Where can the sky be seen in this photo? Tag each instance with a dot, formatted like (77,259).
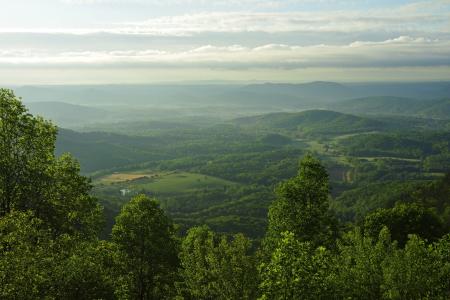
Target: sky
(150,41)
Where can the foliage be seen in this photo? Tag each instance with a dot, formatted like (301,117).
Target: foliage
(214,267)
(297,270)
(24,257)
(359,264)
(405,219)
(26,154)
(302,206)
(416,272)
(33,265)
(31,178)
(49,221)
(147,246)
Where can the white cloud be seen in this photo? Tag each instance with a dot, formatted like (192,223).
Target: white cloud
(401,19)
(412,35)
(403,51)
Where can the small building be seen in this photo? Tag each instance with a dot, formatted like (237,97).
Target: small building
(125,192)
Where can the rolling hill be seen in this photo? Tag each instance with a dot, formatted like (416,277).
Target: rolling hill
(313,122)
(439,109)
(101,150)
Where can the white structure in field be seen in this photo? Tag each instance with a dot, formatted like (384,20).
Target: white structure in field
(124,192)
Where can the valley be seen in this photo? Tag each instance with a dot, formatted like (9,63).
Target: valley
(223,171)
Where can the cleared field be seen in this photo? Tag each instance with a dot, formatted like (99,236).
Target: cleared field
(371,158)
(121,177)
(162,182)
(179,182)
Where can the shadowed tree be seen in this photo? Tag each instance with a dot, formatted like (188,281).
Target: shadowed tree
(405,219)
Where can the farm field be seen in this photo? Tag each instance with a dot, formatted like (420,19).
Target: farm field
(159,183)
(117,177)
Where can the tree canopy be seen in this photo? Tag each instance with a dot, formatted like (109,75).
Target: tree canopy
(302,205)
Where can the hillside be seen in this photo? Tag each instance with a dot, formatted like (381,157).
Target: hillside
(313,121)
(100,150)
(439,109)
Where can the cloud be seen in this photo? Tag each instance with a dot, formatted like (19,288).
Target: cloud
(404,19)
(403,51)
(211,3)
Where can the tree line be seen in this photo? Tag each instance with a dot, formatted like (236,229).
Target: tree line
(50,223)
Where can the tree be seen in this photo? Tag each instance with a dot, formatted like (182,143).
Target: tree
(214,267)
(147,250)
(416,272)
(26,154)
(297,270)
(302,206)
(70,207)
(48,220)
(83,269)
(31,178)
(26,262)
(405,219)
(359,272)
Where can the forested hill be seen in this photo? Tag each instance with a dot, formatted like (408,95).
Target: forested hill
(313,121)
(102,150)
(437,108)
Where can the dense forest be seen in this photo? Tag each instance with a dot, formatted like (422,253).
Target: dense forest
(315,204)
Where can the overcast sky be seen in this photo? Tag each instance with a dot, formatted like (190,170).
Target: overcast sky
(145,41)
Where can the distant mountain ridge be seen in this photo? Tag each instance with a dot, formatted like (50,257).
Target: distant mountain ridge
(318,90)
(78,106)
(66,114)
(439,108)
(207,93)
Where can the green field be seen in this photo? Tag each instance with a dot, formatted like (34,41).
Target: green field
(161,183)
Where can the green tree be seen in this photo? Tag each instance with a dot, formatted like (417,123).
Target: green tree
(83,269)
(31,178)
(302,206)
(404,219)
(441,285)
(359,264)
(297,270)
(70,207)
(25,257)
(26,153)
(214,267)
(416,272)
(147,250)
(48,220)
